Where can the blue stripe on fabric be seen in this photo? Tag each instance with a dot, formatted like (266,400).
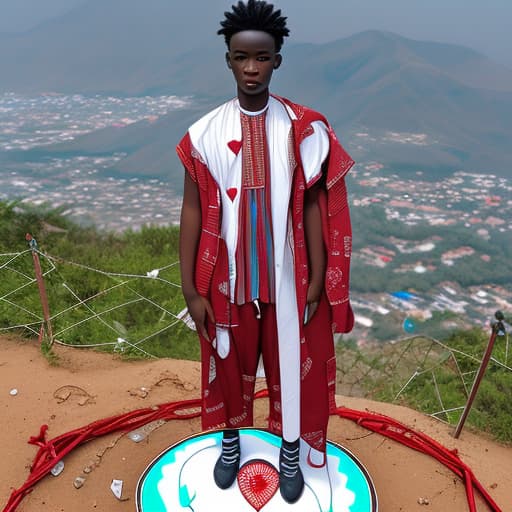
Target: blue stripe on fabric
(254,248)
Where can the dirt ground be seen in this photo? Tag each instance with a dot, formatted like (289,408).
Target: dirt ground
(85,386)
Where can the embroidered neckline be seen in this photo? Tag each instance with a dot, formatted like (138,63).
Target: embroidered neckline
(252,112)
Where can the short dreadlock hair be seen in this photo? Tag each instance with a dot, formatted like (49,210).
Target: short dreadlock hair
(254,15)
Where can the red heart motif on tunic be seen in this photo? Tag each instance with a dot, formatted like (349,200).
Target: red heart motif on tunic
(235,146)
(258,482)
(231,193)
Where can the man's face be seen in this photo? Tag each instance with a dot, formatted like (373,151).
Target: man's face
(252,58)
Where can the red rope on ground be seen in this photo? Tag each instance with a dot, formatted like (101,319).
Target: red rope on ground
(418,441)
(52,451)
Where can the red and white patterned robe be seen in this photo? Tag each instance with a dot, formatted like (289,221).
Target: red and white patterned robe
(209,152)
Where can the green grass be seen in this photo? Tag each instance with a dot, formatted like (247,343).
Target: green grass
(432,377)
(90,303)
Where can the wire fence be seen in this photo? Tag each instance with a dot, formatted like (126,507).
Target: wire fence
(421,371)
(144,315)
(138,314)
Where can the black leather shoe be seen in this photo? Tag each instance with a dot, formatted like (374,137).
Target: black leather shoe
(291,480)
(225,474)
(291,487)
(226,467)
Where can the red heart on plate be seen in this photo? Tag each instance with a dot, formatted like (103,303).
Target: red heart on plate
(258,481)
(235,146)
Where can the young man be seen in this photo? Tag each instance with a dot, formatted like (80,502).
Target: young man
(265,251)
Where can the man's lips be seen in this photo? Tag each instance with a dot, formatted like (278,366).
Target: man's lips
(251,83)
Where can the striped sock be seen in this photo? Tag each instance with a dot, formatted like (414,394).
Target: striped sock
(230,448)
(289,458)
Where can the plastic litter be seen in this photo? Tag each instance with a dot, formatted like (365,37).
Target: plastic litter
(120,345)
(185,317)
(137,436)
(79,482)
(13,392)
(117,488)
(141,433)
(58,468)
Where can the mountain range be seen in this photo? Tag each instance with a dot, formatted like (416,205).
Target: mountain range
(457,101)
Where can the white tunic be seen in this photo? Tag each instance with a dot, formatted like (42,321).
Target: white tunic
(210,137)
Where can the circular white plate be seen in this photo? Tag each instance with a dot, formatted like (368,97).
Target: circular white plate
(181,479)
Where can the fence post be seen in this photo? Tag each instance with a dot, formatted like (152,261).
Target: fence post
(497,329)
(47,325)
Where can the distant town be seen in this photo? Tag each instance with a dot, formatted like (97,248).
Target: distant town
(466,204)
(73,183)
(469,202)
(27,122)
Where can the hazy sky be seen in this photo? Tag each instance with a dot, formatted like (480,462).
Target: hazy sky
(481,24)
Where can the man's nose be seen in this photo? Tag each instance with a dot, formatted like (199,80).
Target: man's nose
(251,67)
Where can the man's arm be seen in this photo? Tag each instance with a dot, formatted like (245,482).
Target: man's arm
(190,232)
(316,250)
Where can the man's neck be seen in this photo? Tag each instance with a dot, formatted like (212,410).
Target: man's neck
(253,103)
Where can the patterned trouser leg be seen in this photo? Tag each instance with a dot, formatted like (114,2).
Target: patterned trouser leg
(228,384)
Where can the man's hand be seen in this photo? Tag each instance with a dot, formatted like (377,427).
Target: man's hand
(316,251)
(312,300)
(200,309)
